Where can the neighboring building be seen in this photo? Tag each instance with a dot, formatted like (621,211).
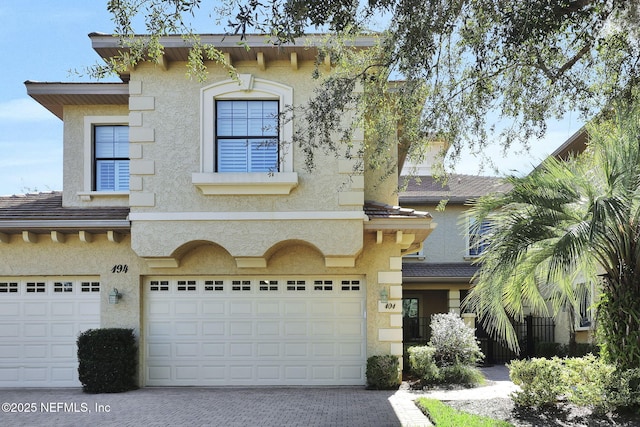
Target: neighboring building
(437,278)
(186,216)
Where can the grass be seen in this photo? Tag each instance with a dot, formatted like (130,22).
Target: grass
(442,415)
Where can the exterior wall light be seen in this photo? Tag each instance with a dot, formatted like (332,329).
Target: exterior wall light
(114,296)
(384,295)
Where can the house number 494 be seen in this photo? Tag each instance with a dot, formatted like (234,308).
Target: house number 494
(120,268)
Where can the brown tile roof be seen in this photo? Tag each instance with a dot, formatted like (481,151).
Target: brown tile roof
(44,210)
(458,270)
(381,210)
(457,189)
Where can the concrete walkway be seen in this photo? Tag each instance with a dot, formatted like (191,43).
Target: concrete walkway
(197,406)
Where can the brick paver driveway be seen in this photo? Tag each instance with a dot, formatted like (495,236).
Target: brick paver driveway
(194,406)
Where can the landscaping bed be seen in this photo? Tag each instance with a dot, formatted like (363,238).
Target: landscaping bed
(564,415)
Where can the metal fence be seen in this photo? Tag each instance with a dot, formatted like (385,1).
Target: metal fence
(532,331)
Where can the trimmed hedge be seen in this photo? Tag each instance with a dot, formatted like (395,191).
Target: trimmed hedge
(107,360)
(382,372)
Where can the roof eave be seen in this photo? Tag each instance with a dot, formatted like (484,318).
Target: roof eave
(55,95)
(61,224)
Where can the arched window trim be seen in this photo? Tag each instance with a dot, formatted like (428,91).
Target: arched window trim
(247,87)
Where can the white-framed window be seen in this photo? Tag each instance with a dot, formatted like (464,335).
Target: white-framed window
(259,158)
(247,135)
(111,156)
(106,156)
(247,88)
(476,237)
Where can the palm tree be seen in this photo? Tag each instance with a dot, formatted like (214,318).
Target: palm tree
(564,227)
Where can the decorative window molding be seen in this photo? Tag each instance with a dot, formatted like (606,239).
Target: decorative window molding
(248,88)
(88,170)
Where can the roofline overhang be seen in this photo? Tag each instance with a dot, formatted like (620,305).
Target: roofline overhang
(54,95)
(435,279)
(45,225)
(574,144)
(429,200)
(400,223)
(226,41)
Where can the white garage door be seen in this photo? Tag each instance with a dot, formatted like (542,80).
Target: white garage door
(40,320)
(248,331)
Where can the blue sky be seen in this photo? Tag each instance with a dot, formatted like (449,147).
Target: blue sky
(46,45)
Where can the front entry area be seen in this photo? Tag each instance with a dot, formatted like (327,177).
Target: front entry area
(417,309)
(207,331)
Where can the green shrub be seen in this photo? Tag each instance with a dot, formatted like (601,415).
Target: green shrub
(383,372)
(107,360)
(539,379)
(465,375)
(587,380)
(624,390)
(422,364)
(583,381)
(454,341)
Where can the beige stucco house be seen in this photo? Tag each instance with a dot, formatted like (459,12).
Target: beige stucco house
(188,216)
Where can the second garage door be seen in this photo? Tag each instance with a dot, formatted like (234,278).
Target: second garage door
(40,319)
(254,331)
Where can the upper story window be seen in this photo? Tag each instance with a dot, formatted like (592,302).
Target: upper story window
(477,242)
(245,145)
(247,135)
(106,157)
(111,156)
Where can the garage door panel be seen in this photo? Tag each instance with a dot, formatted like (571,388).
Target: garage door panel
(241,349)
(241,372)
(36,309)
(268,349)
(255,332)
(240,308)
(240,328)
(159,307)
(9,310)
(62,309)
(213,307)
(183,328)
(187,349)
(63,330)
(213,350)
(350,328)
(45,318)
(37,351)
(88,309)
(268,373)
(268,328)
(9,330)
(36,330)
(295,328)
(157,329)
(186,307)
(213,328)
(159,350)
(9,375)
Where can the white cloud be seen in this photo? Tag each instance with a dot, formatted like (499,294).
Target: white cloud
(24,109)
